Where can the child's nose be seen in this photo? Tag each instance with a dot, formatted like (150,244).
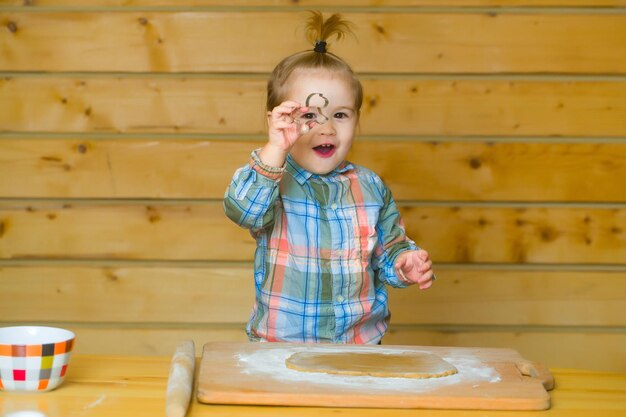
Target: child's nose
(327,128)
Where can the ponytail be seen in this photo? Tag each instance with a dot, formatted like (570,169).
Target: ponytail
(319,32)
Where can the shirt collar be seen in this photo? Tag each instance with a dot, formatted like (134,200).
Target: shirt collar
(301,175)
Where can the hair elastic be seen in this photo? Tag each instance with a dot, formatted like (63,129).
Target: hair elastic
(320,46)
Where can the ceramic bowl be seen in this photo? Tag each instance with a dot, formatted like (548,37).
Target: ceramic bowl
(34,358)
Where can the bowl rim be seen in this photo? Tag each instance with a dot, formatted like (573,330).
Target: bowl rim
(60,335)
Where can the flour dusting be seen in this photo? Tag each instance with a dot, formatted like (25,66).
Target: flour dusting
(96,403)
(271,364)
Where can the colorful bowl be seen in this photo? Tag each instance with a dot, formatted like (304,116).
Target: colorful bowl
(34,358)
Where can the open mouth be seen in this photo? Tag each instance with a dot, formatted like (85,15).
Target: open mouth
(325,150)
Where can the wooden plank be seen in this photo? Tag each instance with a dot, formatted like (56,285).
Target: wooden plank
(465,234)
(121,231)
(86,4)
(396,106)
(134,340)
(519,235)
(225,294)
(521,297)
(569,349)
(127,294)
(602,351)
(396,42)
(177,168)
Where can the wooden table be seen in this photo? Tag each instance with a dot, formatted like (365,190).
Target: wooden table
(122,386)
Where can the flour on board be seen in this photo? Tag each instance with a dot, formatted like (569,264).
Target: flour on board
(270,363)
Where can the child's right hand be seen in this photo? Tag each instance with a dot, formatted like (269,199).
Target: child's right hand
(283,129)
(283,132)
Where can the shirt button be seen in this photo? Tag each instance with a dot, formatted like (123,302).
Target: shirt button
(333,206)
(340,299)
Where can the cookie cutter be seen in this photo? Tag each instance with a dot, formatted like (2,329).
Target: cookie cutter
(314,114)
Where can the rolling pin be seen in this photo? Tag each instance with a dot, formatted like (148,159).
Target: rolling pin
(180,380)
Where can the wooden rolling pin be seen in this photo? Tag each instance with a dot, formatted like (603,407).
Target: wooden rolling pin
(180,380)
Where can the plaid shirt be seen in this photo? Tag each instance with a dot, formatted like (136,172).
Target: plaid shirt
(326,247)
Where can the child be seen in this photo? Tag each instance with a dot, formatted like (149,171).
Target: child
(328,232)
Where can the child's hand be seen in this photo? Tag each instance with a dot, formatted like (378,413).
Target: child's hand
(415,267)
(283,130)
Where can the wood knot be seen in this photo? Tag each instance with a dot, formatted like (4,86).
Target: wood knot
(3,228)
(548,234)
(111,276)
(82,148)
(88,111)
(12,26)
(28,3)
(380,29)
(475,163)
(51,216)
(143,21)
(153,214)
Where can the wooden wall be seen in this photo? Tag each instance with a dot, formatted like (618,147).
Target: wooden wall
(499,125)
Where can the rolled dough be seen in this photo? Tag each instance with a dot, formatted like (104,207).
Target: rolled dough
(388,365)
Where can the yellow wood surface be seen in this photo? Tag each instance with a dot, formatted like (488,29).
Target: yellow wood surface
(396,42)
(201,231)
(135,386)
(225,294)
(310,3)
(392,106)
(194,168)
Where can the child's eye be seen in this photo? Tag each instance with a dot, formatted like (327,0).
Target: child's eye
(309,116)
(341,115)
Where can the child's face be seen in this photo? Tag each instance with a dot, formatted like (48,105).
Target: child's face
(325,146)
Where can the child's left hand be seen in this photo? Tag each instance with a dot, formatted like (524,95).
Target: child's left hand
(415,267)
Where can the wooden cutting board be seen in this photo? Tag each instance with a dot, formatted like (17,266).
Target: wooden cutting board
(255,373)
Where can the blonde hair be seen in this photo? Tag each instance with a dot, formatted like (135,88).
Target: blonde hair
(318,32)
